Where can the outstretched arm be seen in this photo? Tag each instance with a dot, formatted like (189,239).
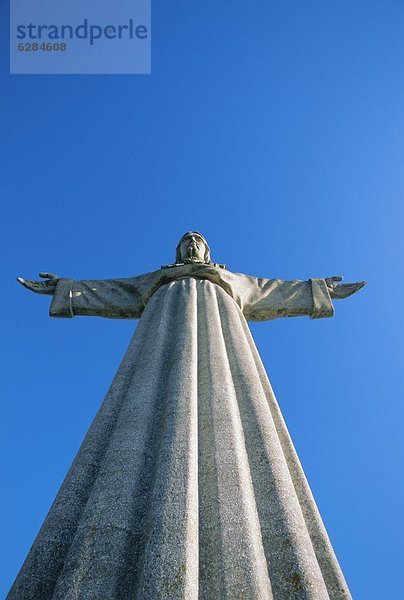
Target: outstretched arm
(112,298)
(265,299)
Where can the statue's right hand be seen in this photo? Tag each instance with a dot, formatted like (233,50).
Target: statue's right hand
(41,287)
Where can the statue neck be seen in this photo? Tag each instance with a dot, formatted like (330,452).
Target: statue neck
(188,261)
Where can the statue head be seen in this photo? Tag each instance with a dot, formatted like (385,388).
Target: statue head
(192,247)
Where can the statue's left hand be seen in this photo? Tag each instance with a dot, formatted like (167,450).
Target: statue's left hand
(342,290)
(41,287)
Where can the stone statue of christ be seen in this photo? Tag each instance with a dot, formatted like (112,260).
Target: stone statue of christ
(187,484)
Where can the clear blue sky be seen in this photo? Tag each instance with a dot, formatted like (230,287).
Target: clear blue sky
(275,128)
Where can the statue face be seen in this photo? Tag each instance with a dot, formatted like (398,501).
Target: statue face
(192,248)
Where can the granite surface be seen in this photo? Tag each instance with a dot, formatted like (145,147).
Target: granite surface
(187,484)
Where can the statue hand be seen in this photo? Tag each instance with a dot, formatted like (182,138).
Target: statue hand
(343,290)
(41,287)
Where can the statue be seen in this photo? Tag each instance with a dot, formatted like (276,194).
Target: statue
(187,484)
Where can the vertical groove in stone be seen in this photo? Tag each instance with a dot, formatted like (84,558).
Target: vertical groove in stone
(293,568)
(45,561)
(211,560)
(170,562)
(337,587)
(227,511)
(103,556)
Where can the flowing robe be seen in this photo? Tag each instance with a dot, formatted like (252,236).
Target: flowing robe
(187,484)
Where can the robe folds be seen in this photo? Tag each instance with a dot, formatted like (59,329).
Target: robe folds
(187,484)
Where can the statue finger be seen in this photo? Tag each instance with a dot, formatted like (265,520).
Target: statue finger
(48,276)
(30,285)
(337,278)
(25,282)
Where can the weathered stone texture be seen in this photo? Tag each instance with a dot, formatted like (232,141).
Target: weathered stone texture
(187,484)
